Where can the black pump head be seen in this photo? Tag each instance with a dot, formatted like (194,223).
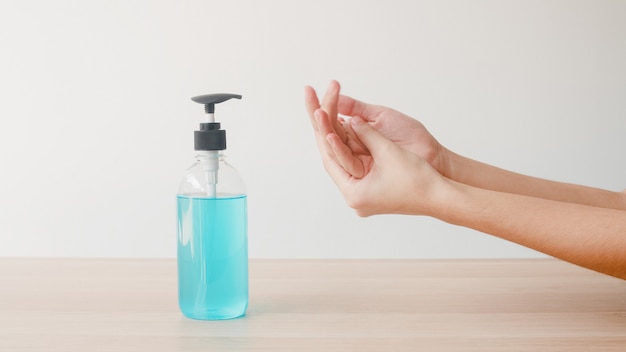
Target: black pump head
(211,136)
(209,100)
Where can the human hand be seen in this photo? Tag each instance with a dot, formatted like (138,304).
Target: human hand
(337,126)
(399,128)
(393,179)
(376,174)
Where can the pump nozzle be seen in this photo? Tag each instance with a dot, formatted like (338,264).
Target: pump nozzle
(209,100)
(211,138)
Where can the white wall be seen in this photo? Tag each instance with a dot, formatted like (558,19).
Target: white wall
(96,122)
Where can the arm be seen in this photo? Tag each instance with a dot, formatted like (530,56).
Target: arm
(477,174)
(592,237)
(397,181)
(411,135)
(385,177)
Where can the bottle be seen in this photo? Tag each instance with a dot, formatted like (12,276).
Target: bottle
(212,227)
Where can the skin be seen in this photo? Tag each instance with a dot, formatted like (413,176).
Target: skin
(385,162)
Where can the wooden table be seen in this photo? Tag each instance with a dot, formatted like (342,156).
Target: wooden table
(316,305)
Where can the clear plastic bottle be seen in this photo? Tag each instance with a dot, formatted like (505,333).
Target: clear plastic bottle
(212,236)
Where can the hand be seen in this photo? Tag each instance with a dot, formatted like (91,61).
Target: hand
(373,172)
(394,180)
(399,128)
(330,105)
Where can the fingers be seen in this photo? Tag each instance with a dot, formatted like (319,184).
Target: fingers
(337,149)
(329,104)
(353,165)
(311,103)
(324,127)
(353,141)
(331,134)
(339,175)
(329,101)
(375,142)
(351,107)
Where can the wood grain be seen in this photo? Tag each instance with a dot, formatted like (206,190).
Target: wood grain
(316,305)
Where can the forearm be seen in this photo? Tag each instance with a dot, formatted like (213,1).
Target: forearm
(481,175)
(591,237)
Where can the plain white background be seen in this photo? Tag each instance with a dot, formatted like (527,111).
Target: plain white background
(96,123)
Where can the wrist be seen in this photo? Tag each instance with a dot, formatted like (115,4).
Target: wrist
(460,204)
(440,198)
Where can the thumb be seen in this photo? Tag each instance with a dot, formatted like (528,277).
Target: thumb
(375,142)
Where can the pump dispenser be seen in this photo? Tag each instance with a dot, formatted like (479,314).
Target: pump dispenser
(211,139)
(212,227)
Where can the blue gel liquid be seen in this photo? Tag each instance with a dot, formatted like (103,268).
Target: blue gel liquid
(212,257)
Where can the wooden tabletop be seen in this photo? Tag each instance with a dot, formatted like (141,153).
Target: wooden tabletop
(316,305)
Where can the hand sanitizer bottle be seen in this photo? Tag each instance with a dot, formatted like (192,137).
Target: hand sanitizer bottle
(212,227)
